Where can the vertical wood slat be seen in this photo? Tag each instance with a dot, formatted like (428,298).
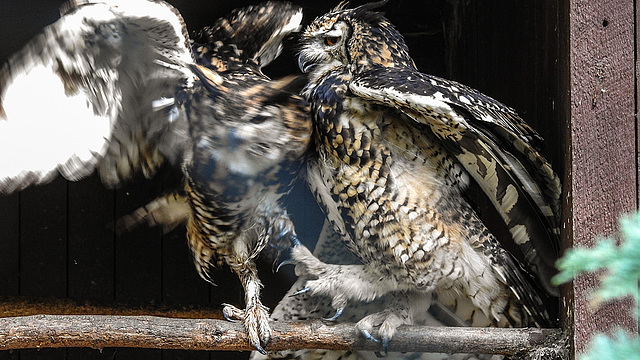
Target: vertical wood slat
(43,248)
(601,180)
(43,240)
(138,254)
(10,245)
(91,241)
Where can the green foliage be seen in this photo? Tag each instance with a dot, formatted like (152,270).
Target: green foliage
(622,347)
(621,279)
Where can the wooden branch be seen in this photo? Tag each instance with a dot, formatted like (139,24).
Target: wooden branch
(100,331)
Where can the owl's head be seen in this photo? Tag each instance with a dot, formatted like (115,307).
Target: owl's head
(357,38)
(244,127)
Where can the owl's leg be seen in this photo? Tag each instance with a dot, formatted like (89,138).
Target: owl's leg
(255,316)
(340,282)
(169,211)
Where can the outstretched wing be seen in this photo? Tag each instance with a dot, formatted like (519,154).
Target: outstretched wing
(81,95)
(494,145)
(253,33)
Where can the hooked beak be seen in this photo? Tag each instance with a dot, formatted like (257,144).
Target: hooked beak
(305,64)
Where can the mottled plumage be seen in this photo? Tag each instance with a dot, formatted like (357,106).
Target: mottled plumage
(396,150)
(130,92)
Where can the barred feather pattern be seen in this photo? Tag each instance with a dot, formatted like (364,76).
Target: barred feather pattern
(396,151)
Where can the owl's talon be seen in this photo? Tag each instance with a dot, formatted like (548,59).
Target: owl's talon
(286,262)
(231,313)
(368,335)
(336,316)
(255,320)
(260,349)
(300,292)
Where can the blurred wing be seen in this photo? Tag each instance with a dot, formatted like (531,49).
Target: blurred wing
(493,144)
(88,76)
(256,30)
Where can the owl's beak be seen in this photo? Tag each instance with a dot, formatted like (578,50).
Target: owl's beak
(305,64)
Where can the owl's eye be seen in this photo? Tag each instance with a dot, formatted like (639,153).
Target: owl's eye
(331,40)
(258,119)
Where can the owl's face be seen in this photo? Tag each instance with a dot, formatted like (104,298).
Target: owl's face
(244,128)
(252,139)
(357,38)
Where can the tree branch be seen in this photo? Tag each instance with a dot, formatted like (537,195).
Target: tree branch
(101,331)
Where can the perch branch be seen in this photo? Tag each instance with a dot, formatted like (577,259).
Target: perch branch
(101,331)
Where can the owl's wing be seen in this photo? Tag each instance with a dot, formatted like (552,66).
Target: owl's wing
(256,30)
(89,92)
(493,144)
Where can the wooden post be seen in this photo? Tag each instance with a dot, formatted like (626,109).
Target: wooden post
(600,177)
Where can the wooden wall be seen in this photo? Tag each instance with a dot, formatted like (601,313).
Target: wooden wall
(602,178)
(568,67)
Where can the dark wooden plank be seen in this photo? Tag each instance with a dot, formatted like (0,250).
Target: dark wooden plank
(43,354)
(601,181)
(180,281)
(10,245)
(43,248)
(10,355)
(91,241)
(133,354)
(138,254)
(43,243)
(86,354)
(637,70)
(188,355)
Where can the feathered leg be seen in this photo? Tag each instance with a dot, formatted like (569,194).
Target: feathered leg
(255,316)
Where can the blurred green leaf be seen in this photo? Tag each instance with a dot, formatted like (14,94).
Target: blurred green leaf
(622,265)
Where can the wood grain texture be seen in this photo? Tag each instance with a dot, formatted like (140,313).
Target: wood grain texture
(97,332)
(601,182)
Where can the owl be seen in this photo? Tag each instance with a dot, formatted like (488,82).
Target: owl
(425,311)
(123,90)
(396,151)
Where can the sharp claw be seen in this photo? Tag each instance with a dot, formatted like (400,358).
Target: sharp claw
(369,337)
(300,292)
(285,262)
(260,349)
(228,318)
(336,316)
(226,315)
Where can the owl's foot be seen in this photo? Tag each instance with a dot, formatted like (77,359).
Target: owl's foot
(387,322)
(325,279)
(256,321)
(340,283)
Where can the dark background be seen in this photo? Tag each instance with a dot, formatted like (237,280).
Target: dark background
(55,240)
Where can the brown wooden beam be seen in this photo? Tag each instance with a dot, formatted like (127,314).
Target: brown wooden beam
(101,331)
(600,176)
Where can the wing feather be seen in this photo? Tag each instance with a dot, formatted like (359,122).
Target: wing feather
(65,95)
(496,147)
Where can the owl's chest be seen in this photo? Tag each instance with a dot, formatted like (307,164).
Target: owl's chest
(371,150)
(379,176)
